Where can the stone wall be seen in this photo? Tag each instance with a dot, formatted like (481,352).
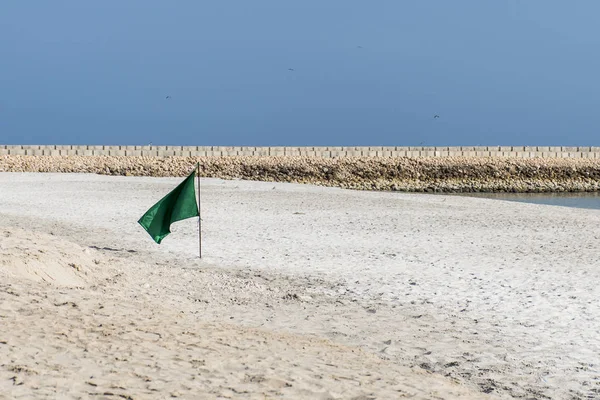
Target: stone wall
(430,174)
(321,152)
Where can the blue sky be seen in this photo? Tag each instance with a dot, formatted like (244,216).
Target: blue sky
(364,72)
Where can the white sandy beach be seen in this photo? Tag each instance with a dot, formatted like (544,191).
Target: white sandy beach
(302,292)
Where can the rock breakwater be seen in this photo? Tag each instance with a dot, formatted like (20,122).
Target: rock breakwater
(447,174)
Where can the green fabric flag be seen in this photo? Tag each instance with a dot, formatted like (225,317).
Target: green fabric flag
(178,205)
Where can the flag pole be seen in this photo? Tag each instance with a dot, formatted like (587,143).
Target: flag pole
(199,216)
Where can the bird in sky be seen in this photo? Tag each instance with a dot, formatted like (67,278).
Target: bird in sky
(290,69)
(168,97)
(436,116)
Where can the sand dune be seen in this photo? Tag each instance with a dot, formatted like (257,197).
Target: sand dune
(47,258)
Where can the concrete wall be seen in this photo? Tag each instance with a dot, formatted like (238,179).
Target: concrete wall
(327,152)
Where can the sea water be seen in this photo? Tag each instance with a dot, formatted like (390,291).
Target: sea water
(577,200)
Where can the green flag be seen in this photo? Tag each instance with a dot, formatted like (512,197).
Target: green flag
(178,205)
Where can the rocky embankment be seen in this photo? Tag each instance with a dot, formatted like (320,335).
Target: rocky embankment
(447,174)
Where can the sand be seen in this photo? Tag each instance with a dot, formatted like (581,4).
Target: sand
(302,292)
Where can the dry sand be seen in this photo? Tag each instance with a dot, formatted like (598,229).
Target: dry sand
(303,292)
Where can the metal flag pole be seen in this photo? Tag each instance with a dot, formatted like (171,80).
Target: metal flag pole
(199,216)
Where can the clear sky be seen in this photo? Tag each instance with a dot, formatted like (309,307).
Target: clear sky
(300,73)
